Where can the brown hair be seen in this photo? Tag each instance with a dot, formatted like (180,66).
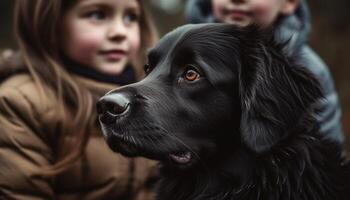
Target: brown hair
(37,23)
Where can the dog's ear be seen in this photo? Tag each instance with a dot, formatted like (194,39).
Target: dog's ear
(275,92)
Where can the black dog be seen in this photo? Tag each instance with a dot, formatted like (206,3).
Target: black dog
(229,117)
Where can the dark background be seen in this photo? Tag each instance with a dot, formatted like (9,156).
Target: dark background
(330,38)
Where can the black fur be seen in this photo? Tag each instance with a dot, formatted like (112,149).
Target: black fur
(247,124)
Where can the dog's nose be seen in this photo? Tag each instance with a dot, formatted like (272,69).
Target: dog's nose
(113,104)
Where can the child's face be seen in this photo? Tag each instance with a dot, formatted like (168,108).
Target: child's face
(244,12)
(102,34)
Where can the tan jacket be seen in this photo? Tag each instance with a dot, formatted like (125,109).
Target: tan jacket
(25,139)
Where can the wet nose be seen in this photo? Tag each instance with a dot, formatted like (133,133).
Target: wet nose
(113,105)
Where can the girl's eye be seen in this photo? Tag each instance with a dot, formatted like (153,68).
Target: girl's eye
(191,74)
(131,17)
(97,15)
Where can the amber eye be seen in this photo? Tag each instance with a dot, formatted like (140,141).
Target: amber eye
(191,75)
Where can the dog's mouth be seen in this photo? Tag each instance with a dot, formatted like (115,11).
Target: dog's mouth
(130,149)
(135,146)
(183,158)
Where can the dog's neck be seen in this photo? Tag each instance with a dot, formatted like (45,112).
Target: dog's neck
(245,175)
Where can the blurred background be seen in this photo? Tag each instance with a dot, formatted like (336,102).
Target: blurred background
(330,38)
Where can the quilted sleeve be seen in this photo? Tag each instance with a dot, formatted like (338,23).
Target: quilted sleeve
(23,150)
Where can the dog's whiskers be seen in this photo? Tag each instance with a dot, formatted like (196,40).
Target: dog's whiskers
(133,139)
(150,137)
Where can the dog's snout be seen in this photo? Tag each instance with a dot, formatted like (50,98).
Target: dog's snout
(113,104)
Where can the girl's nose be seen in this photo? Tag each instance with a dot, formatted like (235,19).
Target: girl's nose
(117,30)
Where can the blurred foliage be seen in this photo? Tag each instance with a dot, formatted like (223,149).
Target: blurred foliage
(335,12)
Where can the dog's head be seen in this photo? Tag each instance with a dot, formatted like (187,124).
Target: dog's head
(208,87)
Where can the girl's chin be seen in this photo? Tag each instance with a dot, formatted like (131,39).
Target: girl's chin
(111,68)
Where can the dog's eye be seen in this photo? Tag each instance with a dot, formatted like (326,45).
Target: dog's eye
(191,74)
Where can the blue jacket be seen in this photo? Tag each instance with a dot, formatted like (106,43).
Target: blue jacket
(296,28)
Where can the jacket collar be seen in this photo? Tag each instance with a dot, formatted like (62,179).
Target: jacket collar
(126,77)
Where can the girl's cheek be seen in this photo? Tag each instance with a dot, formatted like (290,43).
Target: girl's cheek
(134,50)
(84,52)
(84,46)
(135,44)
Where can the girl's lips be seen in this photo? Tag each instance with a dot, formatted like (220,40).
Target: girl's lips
(113,55)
